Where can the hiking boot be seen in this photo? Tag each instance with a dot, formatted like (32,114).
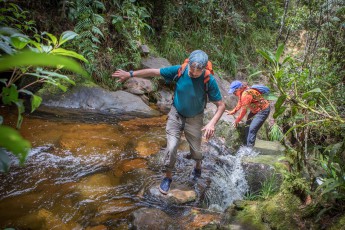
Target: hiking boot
(165,185)
(188,156)
(196,173)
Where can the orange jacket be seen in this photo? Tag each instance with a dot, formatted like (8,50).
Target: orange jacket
(250,99)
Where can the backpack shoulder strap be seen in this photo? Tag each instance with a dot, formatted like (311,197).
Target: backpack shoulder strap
(181,70)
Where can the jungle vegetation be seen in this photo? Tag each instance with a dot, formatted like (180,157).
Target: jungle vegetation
(295,46)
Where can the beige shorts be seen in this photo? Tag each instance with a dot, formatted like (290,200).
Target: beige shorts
(191,126)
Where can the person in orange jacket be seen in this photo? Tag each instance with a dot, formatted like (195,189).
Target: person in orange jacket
(252,99)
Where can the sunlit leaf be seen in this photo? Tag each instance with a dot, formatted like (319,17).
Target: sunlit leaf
(29,58)
(279,52)
(11,140)
(35,102)
(18,43)
(64,52)
(66,36)
(52,37)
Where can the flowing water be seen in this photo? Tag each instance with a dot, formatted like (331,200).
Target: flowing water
(89,174)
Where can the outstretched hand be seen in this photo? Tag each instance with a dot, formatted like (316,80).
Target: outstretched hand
(228,112)
(209,131)
(121,75)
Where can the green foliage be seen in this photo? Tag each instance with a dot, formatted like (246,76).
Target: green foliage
(12,15)
(314,118)
(275,133)
(41,57)
(11,140)
(88,26)
(332,188)
(130,25)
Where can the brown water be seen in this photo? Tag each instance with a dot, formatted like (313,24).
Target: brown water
(79,174)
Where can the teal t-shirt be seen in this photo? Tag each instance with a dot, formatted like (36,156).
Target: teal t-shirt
(189,95)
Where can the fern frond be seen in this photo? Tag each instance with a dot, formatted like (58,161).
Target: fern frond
(98,19)
(98,5)
(95,39)
(96,30)
(83,25)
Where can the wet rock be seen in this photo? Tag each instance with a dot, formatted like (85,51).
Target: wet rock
(199,220)
(96,185)
(95,103)
(148,219)
(116,206)
(164,100)
(269,147)
(138,86)
(51,221)
(178,194)
(155,63)
(129,165)
(257,174)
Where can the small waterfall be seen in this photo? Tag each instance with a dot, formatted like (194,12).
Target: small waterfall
(227,177)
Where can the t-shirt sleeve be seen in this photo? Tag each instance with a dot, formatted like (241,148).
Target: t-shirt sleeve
(169,73)
(213,90)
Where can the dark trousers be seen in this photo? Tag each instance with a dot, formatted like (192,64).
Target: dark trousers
(253,124)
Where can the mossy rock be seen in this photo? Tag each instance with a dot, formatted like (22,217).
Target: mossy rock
(251,217)
(282,211)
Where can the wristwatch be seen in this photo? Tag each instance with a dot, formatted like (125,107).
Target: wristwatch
(131,73)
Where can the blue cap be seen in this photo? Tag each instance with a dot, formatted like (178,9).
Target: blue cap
(199,57)
(235,85)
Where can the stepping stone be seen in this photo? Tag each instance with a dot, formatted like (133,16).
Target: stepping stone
(269,147)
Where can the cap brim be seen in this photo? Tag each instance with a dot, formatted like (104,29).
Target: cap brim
(231,91)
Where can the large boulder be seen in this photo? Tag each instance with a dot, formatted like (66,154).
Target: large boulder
(96,103)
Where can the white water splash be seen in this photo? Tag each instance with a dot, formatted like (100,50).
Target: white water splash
(228,180)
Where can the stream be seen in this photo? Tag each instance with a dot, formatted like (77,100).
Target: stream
(80,174)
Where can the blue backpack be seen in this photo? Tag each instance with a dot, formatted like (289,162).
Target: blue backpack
(261,88)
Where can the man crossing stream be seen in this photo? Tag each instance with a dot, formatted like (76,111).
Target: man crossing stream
(195,84)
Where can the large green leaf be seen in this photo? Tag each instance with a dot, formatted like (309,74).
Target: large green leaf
(19,41)
(316,90)
(9,95)
(64,52)
(279,109)
(35,102)
(279,52)
(29,58)
(11,140)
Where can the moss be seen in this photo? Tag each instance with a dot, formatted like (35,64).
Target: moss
(49,89)
(250,217)
(282,211)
